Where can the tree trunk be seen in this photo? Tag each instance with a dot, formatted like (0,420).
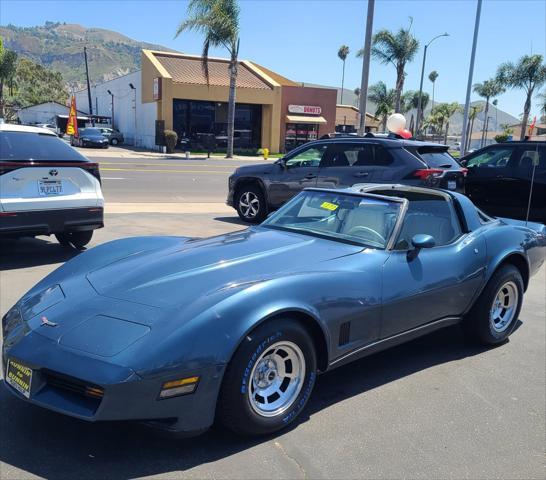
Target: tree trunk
(342,83)
(411,124)
(399,88)
(231,106)
(1,98)
(384,123)
(485,121)
(468,134)
(526,111)
(447,130)
(433,85)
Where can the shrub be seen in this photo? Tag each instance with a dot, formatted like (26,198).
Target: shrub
(503,137)
(171,137)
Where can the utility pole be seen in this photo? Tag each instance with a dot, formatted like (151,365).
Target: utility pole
(112,107)
(88,87)
(470,75)
(132,87)
(366,68)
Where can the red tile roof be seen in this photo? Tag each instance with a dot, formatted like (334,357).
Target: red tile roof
(189,70)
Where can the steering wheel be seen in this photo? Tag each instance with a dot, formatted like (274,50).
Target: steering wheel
(360,228)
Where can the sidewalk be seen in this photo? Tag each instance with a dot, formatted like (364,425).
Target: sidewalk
(131,152)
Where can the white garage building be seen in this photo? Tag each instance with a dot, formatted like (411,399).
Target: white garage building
(137,126)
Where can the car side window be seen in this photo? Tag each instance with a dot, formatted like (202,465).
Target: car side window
(496,157)
(430,215)
(356,155)
(528,158)
(309,157)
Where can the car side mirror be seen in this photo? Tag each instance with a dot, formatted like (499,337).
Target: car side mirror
(420,241)
(281,162)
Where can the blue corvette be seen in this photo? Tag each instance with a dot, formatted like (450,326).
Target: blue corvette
(177,332)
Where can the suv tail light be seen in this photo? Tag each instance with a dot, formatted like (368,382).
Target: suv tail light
(93,169)
(425,173)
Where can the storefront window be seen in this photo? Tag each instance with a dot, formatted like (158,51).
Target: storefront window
(196,121)
(299,133)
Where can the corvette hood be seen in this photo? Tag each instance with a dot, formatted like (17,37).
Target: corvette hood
(204,266)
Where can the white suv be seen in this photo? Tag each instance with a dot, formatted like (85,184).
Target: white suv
(47,187)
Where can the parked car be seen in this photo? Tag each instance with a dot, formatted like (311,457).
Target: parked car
(256,190)
(179,331)
(499,179)
(115,137)
(47,187)
(89,137)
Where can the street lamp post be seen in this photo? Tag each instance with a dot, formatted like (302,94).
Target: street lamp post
(419,101)
(112,95)
(132,87)
(366,68)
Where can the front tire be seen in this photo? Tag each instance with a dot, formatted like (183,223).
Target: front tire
(114,141)
(250,204)
(494,315)
(76,239)
(269,379)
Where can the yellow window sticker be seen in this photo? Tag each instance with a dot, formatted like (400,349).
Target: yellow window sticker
(329,206)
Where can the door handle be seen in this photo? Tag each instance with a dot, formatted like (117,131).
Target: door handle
(361,174)
(310,176)
(500,176)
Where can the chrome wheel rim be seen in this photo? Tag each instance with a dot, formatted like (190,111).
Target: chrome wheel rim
(504,307)
(249,204)
(276,379)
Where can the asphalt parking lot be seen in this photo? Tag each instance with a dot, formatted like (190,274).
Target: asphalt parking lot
(433,408)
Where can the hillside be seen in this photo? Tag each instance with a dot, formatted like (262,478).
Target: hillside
(59,46)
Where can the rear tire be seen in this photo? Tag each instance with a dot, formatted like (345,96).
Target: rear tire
(77,240)
(250,203)
(114,141)
(494,315)
(277,360)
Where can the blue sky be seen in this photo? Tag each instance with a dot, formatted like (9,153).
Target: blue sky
(300,39)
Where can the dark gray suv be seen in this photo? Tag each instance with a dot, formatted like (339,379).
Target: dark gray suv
(256,190)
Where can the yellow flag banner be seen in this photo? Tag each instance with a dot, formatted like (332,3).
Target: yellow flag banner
(72,124)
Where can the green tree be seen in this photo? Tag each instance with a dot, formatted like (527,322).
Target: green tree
(383,99)
(410,101)
(37,84)
(8,65)
(487,89)
(343,53)
(528,73)
(441,115)
(432,76)
(398,49)
(542,106)
(356,91)
(218,21)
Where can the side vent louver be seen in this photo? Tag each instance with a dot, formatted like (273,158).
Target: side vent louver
(344,333)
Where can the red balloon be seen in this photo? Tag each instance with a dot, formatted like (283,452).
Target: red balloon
(405,133)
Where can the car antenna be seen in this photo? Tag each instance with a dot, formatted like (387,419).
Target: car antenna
(535,164)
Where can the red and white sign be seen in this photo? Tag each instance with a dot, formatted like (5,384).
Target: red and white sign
(309,109)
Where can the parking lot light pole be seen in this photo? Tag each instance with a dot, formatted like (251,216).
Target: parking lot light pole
(132,87)
(112,95)
(366,68)
(419,101)
(470,75)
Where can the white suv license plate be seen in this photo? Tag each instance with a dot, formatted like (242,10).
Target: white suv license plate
(48,188)
(451,185)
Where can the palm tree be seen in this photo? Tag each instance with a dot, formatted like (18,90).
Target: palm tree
(218,21)
(542,105)
(343,53)
(472,115)
(410,101)
(356,91)
(527,74)
(383,99)
(495,103)
(440,116)
(396,48)
(488,89)
(432,76)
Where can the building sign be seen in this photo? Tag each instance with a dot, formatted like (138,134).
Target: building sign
(157,89)
(309,109)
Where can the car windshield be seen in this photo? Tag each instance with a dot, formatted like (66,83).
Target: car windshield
(91,131)
(366,220)
(23,146)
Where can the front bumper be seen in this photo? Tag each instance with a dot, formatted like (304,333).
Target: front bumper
(46,222)
(99,144)
(59,378)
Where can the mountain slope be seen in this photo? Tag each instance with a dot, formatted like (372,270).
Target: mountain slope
(59,46)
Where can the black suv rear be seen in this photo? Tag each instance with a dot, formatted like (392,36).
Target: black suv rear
(340,163)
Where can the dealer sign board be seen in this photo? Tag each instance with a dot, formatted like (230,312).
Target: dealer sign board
(308,109)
